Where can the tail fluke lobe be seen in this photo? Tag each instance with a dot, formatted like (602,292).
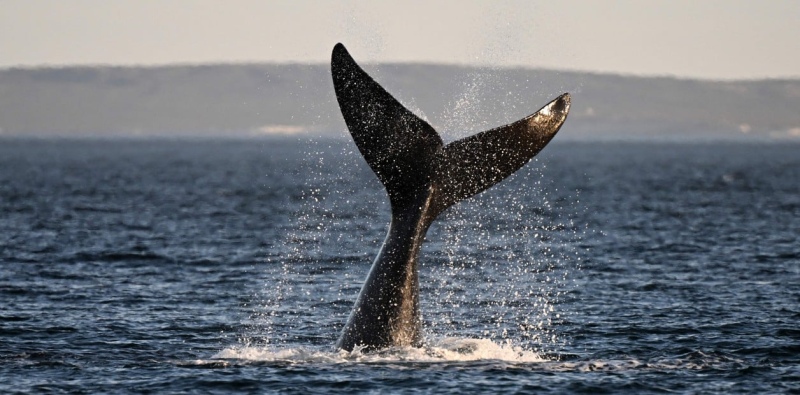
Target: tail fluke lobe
(397,145)
(471,165)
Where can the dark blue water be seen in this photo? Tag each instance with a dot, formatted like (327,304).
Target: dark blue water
(219,266)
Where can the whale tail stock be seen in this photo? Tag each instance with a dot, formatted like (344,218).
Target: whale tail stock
(410,158)
(423,177)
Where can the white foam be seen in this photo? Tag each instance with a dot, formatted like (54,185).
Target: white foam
(456,350)
(441,350)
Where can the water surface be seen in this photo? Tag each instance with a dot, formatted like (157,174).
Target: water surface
(222,265)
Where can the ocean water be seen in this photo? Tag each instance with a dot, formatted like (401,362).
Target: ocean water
(214,266)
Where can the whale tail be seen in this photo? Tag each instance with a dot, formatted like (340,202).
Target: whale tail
(410,158)
(423,177)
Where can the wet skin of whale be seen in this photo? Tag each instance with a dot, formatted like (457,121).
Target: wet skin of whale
(423,177)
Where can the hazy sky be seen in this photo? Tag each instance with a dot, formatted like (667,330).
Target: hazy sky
(707,39)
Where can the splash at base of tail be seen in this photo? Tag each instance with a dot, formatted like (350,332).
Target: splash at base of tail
(423,177)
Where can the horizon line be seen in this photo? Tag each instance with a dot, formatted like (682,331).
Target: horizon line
(55,66)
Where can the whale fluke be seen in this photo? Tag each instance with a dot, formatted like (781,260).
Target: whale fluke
(398,146)
(422,177)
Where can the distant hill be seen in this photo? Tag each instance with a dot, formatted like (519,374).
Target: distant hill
(253,99)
